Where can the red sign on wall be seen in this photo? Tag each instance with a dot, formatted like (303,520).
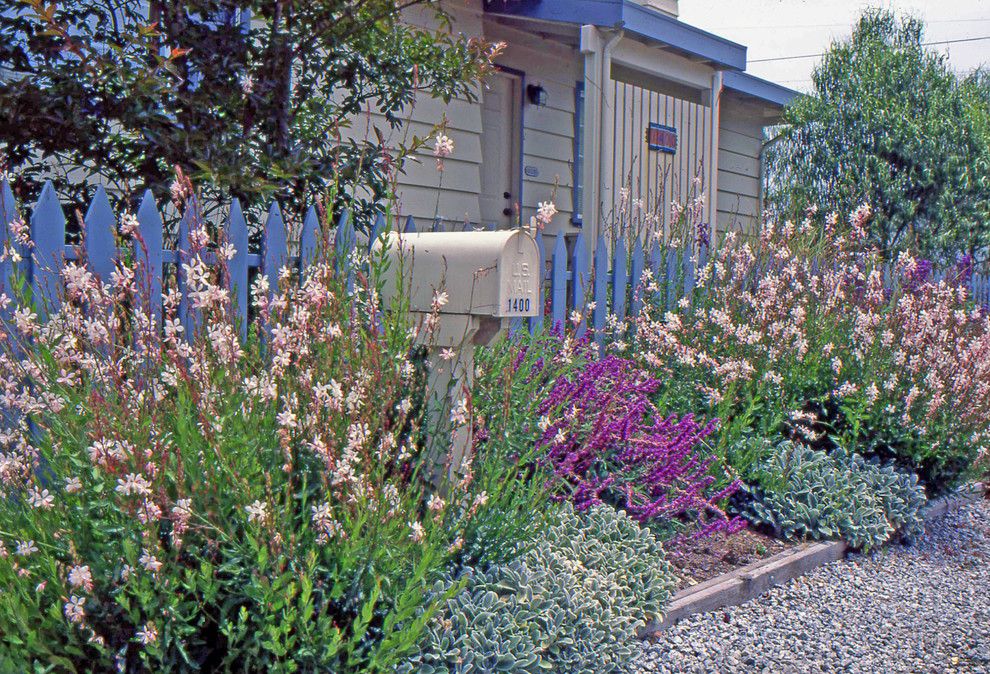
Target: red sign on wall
(661,138)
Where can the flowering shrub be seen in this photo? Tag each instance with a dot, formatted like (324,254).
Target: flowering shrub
(571,604)
(179,500)
(602,439)
(800,332)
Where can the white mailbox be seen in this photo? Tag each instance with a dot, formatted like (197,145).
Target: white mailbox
(487,276)
(483,273)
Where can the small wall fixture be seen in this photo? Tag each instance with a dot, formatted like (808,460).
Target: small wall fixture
(536,94)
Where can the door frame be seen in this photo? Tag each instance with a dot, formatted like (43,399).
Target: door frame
(521,76)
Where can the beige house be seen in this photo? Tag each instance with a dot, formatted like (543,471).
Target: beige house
(593,96)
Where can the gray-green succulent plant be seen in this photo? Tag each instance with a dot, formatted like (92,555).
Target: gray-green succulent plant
(572,604)
(837,494)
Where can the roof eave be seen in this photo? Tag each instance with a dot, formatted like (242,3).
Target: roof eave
(635,19)
(768,92)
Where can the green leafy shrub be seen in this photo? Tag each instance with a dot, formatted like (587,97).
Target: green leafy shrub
(571,604)
(514,377)
(817,494)
(179,500)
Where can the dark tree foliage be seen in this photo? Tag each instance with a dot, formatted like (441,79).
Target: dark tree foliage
(251,98)
(888,123)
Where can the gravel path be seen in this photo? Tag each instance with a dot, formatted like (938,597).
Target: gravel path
(924,608)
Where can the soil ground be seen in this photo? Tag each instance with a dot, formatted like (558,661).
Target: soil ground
(696,561)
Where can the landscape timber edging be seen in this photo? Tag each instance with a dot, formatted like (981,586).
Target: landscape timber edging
(750,581)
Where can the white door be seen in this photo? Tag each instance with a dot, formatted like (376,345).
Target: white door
(500,140)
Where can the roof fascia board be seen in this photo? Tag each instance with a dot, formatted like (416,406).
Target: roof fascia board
(633,18)
(750,85)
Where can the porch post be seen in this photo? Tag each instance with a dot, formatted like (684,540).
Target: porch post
(716,113)
(591,49)
(597,52)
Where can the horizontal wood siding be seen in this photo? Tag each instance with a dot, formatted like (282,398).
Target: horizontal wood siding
(548,131)
(740,141)
(422,191)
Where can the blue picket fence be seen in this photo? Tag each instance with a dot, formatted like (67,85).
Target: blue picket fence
(569,281)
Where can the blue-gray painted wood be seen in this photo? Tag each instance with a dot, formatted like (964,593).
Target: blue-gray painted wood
(376,231)
(600,297)
(274,247)
(636,267)
(100,239)
(410,225)
(536,322)
(148,252)
(8,214)
(688,274)
(558,282)
(581,278)
(185,255)
(237,268)
(620,280)
(344,243)
(671,279)
(309,240)
(48,237)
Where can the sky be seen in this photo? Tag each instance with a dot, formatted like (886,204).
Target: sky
(781,28)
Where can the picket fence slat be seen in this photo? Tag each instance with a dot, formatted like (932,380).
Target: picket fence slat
(558,281)
(148,251)
(376,231)
(8,212)
(582,274)
(636,276)
(274,246)
(410,225)
(620,280)
(48,236)
(600,298)
(671,276)
(100,242)
(237,267)
(536,322)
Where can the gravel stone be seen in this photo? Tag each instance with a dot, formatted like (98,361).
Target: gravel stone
(905,608)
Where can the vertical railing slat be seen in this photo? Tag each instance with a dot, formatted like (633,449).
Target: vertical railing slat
(148,253)
(558,281)
(274,246)
(582,275)
(600,290)
(410,225)
(100,241)
(237,267)
(48,254)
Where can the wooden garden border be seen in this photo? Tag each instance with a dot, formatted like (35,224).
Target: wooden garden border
(748,582)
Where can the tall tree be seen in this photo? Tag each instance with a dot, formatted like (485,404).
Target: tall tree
(251,98)
(889,123)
